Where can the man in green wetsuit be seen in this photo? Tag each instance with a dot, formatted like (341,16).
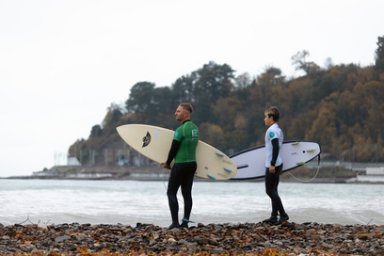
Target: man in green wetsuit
(183,150)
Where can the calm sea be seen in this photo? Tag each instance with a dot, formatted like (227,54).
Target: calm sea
(128,202)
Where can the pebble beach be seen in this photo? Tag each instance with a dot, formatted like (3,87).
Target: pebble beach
(200,239)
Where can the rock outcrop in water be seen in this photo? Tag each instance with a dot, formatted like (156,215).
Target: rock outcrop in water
(217,239)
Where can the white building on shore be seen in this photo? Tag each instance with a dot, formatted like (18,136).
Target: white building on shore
(372,175)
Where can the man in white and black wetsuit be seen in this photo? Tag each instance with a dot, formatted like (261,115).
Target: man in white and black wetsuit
(274,138)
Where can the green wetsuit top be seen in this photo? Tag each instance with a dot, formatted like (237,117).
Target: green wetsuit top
(184,143)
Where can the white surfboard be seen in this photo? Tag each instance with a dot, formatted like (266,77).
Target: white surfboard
(251,162)
(154,142)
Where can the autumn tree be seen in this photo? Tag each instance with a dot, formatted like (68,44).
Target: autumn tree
(339,107)
(271,76)
(112,118)
(300,63)
(243,81)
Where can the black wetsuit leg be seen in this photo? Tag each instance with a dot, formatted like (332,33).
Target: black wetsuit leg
(181,175)
(271,188)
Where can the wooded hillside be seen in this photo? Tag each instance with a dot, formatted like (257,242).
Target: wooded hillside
(340,106)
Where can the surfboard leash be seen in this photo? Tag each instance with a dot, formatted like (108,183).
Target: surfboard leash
(311,179)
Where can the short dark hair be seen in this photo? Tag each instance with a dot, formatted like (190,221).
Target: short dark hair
(273,112)
(187,106)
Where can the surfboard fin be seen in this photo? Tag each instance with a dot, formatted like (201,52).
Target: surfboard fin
(219,154)
(211,177)
(227,170)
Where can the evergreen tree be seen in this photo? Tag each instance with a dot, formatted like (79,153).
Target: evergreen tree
(379,60)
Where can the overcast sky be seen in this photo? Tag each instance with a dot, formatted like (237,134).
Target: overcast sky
(62,63)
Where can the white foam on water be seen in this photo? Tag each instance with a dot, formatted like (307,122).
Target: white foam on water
(129,202)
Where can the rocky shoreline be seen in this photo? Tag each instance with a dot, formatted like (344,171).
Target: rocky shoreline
(211,239)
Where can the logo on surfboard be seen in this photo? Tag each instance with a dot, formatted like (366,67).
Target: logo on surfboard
(146,140)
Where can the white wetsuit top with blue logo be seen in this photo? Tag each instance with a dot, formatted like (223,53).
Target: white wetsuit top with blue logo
(273,132)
